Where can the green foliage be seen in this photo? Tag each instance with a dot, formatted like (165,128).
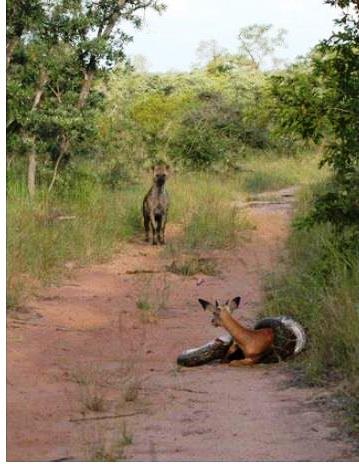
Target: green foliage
(318,99)
(339,204)
(318,286)
(54,54)
(194,119)
(297,105)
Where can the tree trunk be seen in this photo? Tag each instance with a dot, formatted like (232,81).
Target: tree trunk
(31,170)
(32,161)
(63,150)
(86,87)
(40,89)
(10,47)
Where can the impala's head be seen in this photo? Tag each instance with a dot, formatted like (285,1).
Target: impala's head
(160,174)
(218,309)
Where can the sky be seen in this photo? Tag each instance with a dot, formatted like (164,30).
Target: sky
(169,41)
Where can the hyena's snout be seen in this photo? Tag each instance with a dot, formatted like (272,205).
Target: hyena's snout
(160,179)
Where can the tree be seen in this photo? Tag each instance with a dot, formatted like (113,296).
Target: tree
(22,16)
(319,100)
(259,42)
(53,59)
(140,63)
(207,51)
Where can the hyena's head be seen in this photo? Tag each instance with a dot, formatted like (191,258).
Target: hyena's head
(160,174)
(217,309)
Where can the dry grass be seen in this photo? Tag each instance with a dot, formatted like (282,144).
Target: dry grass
(154,296)
(93,400)
(105,447)
(192,265)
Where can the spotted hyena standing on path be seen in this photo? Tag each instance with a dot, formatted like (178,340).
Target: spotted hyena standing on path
(155,206)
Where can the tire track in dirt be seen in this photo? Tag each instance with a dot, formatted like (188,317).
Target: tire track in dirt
(86,340)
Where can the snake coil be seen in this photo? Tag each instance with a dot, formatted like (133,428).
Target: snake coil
(289,340)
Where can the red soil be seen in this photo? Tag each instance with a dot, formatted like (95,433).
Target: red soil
(87,339)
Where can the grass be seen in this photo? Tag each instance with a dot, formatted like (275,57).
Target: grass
(42,246)
(190,191)
(260,181)
(40,243)
(154,297)
(148,309)
(270,174)
(203,205)
(90,382)
(132,390)
(94,402)
(214,225)
(192,265)
(113,451)
(318,284)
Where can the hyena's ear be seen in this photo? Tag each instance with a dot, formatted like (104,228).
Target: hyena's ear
(233,305)
(206,304)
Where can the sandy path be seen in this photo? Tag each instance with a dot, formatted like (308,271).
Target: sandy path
(86,340)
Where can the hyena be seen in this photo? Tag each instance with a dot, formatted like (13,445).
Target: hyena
(155,206)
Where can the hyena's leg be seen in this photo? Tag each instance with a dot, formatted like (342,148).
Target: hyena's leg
(159,220)
(153,228)
(146,222)
(163,227)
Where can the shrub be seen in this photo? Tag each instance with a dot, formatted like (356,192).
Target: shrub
(318,285)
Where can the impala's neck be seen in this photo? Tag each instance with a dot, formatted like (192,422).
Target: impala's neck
(241,334)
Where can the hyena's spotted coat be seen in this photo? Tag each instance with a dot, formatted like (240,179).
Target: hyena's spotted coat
(155,206)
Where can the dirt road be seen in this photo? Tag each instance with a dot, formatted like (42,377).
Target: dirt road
(90,377)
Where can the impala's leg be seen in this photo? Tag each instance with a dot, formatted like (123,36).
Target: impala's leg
(231,350)
(243,362)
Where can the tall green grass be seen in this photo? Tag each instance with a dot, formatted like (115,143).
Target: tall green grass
(318,284)
(204,204)
(39,242)
(275,173)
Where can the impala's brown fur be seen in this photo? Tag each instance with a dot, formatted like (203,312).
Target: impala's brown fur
(253,343)
(155,206)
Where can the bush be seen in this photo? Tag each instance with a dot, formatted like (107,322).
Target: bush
(319,286)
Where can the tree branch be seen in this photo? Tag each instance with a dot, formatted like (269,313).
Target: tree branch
(247,49)
(63,149)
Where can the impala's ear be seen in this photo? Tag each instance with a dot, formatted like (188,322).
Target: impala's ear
(205,304)
(233,305)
